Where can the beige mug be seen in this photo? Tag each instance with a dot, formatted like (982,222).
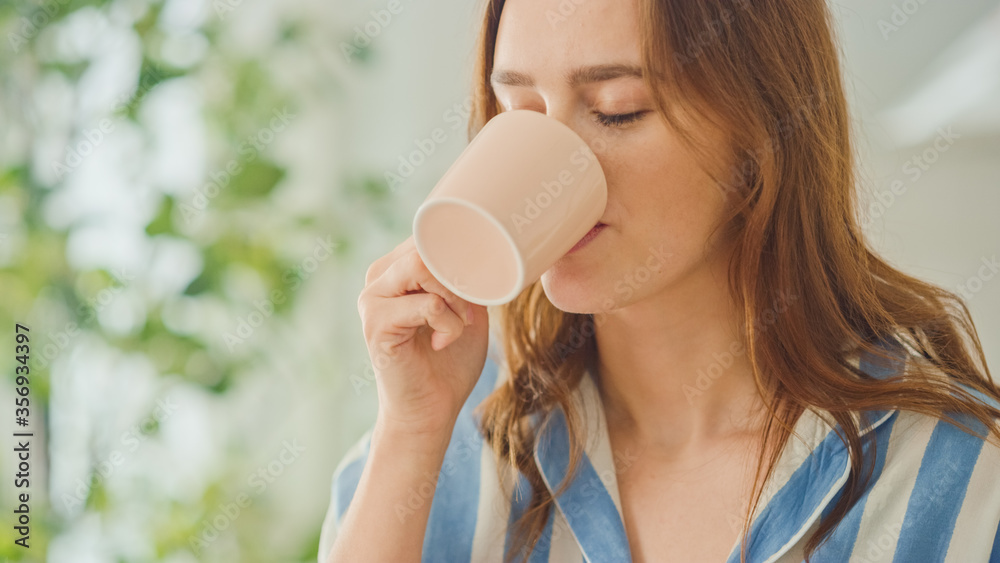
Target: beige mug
(524,191)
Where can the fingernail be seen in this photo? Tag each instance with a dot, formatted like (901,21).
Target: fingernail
(468,314)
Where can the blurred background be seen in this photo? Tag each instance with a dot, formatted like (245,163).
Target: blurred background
(191,192)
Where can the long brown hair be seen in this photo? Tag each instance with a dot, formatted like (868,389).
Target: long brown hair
(768,74)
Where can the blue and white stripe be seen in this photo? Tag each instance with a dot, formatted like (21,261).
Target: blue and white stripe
(934,494)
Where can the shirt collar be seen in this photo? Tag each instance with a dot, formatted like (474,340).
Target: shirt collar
(811,470)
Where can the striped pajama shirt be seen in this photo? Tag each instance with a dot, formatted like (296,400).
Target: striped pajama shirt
(934,495)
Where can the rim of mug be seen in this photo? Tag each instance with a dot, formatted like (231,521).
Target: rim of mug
(518,258)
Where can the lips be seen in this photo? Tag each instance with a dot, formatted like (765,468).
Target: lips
(593,232)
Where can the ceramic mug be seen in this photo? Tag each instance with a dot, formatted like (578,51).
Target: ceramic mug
(524,191)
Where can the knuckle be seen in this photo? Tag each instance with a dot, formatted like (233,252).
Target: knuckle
(362,300)
(370,272)
(437,305)
(414,261)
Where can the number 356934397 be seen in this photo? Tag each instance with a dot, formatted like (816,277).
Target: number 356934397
(21,351)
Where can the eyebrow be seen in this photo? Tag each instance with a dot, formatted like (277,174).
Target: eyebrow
(575,77)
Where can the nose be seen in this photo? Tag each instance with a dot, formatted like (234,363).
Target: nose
(560,112)
(568,115)
(565,113)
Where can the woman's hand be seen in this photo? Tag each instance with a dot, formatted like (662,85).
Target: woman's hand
(424,374)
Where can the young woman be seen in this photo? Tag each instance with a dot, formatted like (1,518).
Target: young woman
(725,372)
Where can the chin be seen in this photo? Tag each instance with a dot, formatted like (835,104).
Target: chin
(572,291)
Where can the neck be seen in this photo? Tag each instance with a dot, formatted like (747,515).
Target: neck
(672,369)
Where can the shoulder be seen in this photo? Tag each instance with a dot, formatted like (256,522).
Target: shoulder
(938,451)
(934,494)
(924,445)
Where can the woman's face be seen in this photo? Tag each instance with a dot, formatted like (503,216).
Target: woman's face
(661,204)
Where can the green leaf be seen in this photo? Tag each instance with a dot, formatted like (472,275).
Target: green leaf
(162,223)
(257,179)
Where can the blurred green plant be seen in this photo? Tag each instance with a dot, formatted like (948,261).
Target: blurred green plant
(37,272)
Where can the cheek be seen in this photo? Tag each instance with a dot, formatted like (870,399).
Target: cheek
(660,190)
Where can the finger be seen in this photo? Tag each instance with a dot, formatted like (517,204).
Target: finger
(379,266)
(405,315)
(409,274)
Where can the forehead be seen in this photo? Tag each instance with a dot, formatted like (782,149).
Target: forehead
(546,35)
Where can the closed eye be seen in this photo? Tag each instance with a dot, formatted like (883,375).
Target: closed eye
(618,120)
